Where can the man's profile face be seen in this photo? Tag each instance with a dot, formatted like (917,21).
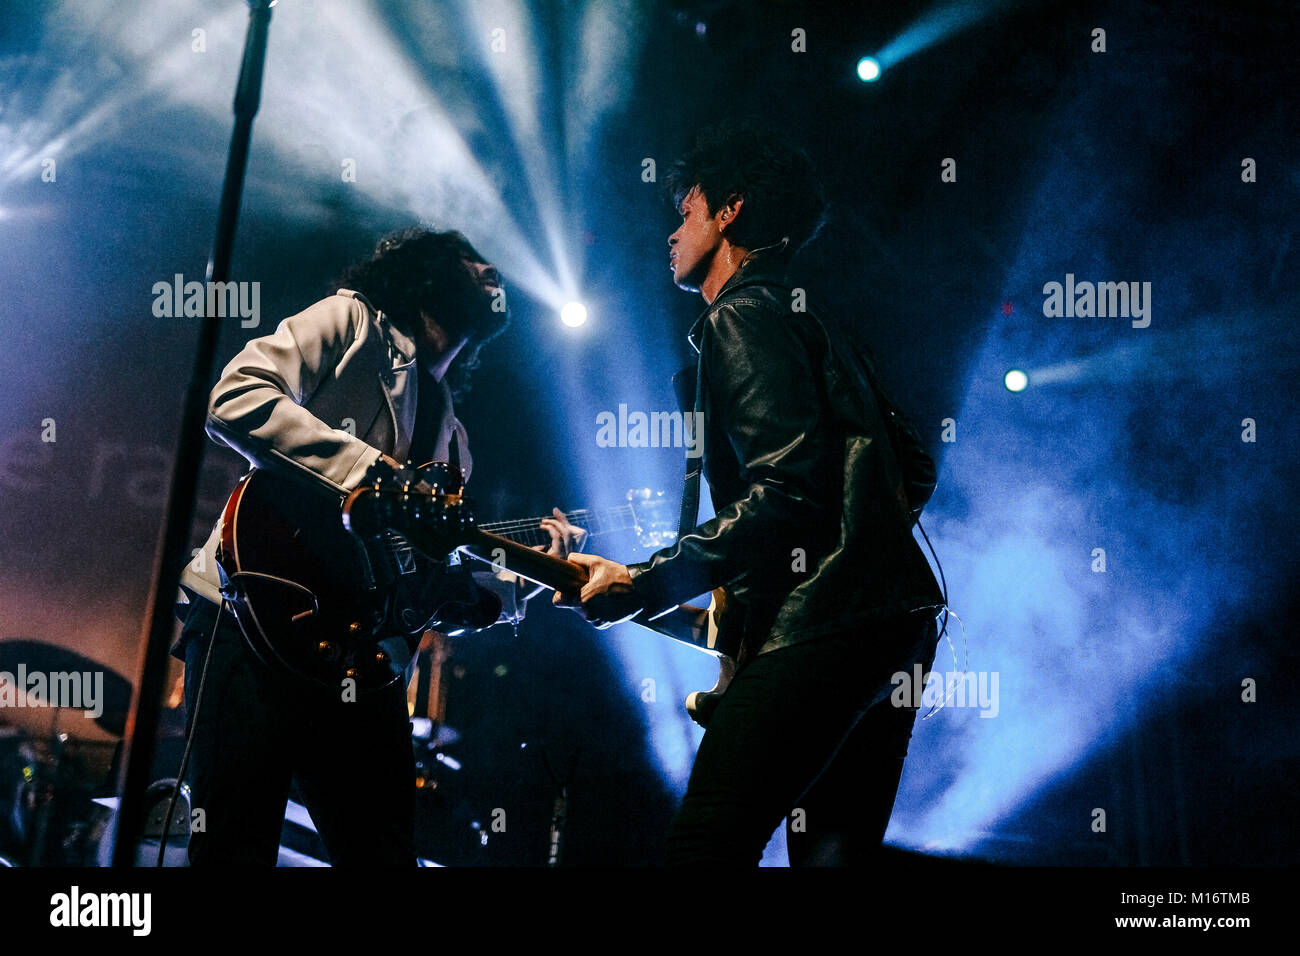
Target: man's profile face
(488,276)
(692,247)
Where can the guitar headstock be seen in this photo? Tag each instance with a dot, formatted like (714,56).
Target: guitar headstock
(653,517)
(425,505)
(438,475)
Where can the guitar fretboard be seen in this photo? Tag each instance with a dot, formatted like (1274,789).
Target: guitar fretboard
(594,521)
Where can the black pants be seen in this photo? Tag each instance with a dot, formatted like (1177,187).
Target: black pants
(808,734)
(255,731)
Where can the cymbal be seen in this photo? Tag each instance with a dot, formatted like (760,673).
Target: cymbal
(35,673)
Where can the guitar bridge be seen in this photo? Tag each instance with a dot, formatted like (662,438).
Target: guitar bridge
(404,556)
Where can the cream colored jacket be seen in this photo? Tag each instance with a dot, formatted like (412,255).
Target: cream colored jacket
(323,395)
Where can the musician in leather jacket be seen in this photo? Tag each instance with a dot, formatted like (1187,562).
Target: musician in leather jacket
(811,530)
(812,535)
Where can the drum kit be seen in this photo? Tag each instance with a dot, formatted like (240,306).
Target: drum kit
(59,768)
(55,761)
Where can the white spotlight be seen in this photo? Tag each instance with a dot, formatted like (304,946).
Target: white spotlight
(868,69)
(573,314)
(1015,380)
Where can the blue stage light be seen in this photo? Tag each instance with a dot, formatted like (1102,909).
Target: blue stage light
(573,314)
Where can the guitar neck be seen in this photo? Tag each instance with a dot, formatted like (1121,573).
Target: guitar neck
(595,521)
(686,624)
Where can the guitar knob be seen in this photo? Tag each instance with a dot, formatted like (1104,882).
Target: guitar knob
(354,627)
(381,658)
(351,673)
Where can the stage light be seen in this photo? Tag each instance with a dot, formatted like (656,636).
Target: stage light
(1015,380)
(573,314)
(868,70)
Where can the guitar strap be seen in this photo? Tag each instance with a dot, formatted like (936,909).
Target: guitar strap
(687,385)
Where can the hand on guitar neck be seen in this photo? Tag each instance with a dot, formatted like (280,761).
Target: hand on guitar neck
(566,540)
(607,598)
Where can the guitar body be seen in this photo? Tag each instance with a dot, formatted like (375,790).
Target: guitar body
(725,641)
(324,605)
(711,630)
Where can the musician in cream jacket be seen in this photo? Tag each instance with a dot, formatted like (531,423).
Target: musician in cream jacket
(358,376)
(328,394)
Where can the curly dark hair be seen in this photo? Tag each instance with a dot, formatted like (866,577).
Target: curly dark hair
(782,192)
(418,269)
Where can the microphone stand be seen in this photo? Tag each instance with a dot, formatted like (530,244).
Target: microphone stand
(142,722)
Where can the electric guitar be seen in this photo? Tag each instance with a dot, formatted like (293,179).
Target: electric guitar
(379,507)
(325,606)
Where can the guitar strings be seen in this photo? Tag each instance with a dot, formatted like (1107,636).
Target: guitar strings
(580,513)
(593,517)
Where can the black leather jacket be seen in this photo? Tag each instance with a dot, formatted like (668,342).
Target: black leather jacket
(812,533)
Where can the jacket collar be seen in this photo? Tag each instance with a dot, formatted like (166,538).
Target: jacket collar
(401,347)
(761,265)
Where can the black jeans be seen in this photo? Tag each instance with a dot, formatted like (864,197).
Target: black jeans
(808,734)
(255,731)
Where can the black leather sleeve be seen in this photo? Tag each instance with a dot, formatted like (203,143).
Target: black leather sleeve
(760,380)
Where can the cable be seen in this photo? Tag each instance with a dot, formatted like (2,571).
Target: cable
(560,806)
(198,694)
(947,696)
(189,737)
(946,613)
